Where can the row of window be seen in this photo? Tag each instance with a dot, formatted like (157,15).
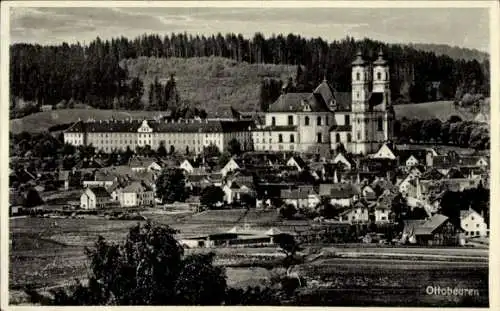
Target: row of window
(306,121)
(379,76)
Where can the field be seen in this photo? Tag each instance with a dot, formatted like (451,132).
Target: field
(49,252)
(440,109)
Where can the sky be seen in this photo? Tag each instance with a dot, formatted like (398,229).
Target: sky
(464,27)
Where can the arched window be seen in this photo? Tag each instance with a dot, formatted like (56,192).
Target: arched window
(358,76)
(379,76)
(273,121)
(380,124)
(337,138)
(306,121)
(318,120)
(292,138)
(349,138)
(280,138)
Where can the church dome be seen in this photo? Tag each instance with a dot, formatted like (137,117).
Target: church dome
(380,60)
(359,61)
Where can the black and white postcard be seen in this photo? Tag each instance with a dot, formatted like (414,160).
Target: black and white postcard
(249,154)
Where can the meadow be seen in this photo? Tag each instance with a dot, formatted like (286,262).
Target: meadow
(50,252)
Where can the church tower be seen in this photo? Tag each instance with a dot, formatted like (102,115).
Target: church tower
(381,85)
(360,105)
(381,79)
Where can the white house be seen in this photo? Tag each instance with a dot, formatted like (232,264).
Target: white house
(233,192)
(187,166)
(368,193)
(355,214)
(101,179)
(136,194)
(230,166)
(411,161)
(94,198)
(385,152)
(341,194)
(381,212)
(341,158)
(296,162)
(473,223)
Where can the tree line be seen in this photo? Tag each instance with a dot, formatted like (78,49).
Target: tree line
(454,131)
(92,74)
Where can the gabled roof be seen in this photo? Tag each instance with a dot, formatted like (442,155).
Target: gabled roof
(338,191)
(342,156)
(100,192)
(429,226)
(432,174)
(298,102)
(466,213)
(136,187)
(299,161)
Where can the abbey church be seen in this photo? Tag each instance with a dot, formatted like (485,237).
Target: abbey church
(318,122)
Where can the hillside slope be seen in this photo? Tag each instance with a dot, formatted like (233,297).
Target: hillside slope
(215,83)
(423,111)
(454,52)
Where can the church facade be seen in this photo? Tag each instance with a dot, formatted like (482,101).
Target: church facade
(318,122)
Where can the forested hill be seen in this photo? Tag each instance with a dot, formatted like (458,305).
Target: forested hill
(107,74)
(454,52)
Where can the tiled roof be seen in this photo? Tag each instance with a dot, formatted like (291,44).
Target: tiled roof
(299,161)
(338,191)
(136,187)
(296,102)
(191,126)
(100,192)
(465,213)
(430,225)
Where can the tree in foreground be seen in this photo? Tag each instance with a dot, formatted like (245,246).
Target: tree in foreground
(148,268)
(234,147)
(211,195)
(170,186)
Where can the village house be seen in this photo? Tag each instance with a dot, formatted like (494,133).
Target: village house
(187,166)
(473,224)
(230,166)
(63,179)
(301,197)
(135,194)
(358,213)
(344,161)
(95,198)
(101,178)
(296,161)
(368,193)
(234,191)
(436,230)
(236,237)
(342,194)
(139,164)
(381,211)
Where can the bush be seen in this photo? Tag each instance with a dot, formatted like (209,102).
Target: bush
(288,211)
